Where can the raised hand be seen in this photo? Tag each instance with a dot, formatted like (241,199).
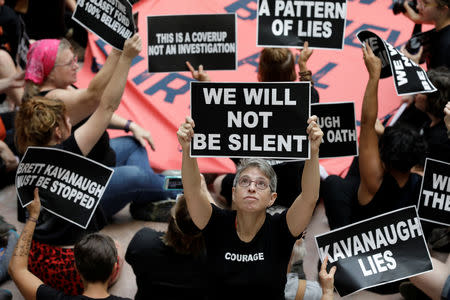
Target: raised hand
(185,133)
(199,75)
(315,134)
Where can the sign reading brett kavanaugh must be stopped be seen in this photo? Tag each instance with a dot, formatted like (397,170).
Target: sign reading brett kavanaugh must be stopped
(111,20)
(250,119)
(376,251)
(70,186)
(289,23)
(338,123)
(209,40)
(434,201)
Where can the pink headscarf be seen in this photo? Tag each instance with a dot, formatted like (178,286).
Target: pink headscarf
(40,60)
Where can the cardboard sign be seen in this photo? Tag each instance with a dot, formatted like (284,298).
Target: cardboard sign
(286,23)
(338,123)
(70,185)
(111,20)
(376,251)
(409,78)
(209,40)
(250,119)
(434,200)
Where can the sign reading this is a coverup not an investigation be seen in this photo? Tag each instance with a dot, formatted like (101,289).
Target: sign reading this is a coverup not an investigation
(250,119)
(209,40)
(70,186)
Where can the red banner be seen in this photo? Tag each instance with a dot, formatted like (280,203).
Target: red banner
(160,101)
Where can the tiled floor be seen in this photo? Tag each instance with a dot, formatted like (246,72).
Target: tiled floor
(124,227)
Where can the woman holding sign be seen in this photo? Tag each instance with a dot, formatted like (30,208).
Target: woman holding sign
(248,249)
(46,122)
(275,65)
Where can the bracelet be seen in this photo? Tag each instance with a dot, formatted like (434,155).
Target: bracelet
(127,126)
(32,219)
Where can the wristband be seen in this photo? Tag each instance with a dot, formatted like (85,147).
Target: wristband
(32,219)
(127,126)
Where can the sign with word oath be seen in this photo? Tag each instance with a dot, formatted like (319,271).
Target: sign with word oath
(338,123)
(409,78)
(70,186)
(376,251)
(209,40)
(250,119)
(434,201)
(288,23)
(111,20)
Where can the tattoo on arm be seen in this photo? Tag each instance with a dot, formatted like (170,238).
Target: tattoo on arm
(24,243)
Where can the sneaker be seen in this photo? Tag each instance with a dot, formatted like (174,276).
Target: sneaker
(410,292)
(158,211)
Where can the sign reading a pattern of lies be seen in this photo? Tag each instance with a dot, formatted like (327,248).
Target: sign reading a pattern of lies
(409,78)
(289,23)
(209,40)
(111,20)
(376,251)
(250,119)
(70,186)
(338,123)
(434,201)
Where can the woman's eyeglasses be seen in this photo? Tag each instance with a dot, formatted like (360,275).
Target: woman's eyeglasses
(73,62)
(260,184)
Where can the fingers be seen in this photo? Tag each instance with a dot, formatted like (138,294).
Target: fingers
(368,49)
(323,267)
(190,67)
(36,194)
(200,68)
(305,45)
(332,271)
(190,121)
(151,143)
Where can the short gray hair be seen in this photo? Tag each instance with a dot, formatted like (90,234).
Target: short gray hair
(262,165)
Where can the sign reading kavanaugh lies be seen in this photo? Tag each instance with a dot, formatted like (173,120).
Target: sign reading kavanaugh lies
(434,200)
(376,251)
(209,40)
(250,119)
(288,23)
(70,186)
(111,20)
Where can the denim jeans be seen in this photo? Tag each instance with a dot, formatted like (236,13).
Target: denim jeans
(133,180)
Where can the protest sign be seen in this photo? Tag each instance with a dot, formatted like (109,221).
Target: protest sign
(70,185)
(409,78)
(376,251)
(287,23)
(209,40)
(434,200)
(111,20)
(22,48)
(338,123)
(250,119)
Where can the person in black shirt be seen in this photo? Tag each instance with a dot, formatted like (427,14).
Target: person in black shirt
(95,258)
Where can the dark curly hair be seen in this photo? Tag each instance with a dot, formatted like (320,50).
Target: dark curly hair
(436,101)
(401,148)
(276,64)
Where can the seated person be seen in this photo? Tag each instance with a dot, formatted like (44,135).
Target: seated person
(95,260)
(384,182)
(275,64)
(51,71)
(45,122)
(151,253)
(246,244)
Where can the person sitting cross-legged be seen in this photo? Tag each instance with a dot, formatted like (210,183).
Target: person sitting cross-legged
(95,260)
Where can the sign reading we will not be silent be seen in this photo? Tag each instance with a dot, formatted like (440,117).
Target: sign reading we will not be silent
(209,40)
(111,20)
(70,185)
(250,119)
(409,78)
(288,23)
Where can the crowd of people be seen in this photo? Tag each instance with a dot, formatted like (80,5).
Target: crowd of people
(222,240)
